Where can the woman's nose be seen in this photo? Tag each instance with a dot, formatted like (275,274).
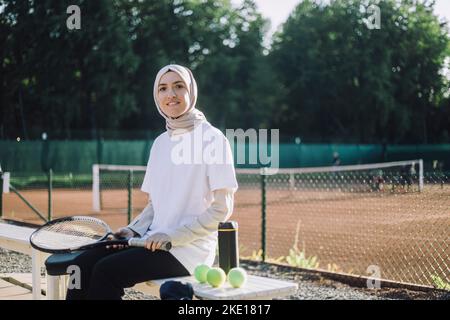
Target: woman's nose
(172,93)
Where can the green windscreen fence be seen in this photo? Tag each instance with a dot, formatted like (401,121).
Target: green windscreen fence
(428,153)
(70,156)
(318,155)
(78,156)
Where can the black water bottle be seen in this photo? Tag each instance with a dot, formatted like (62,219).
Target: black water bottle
(228,245)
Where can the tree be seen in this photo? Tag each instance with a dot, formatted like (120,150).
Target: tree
(62,79)
(222,45)
(345,81)
(328,77)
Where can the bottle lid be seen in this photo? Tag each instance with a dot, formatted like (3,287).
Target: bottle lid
(228,226)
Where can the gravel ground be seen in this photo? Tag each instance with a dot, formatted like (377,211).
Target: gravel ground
(312,286)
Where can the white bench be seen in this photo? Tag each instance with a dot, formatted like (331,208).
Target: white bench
(16,238)
(256,288)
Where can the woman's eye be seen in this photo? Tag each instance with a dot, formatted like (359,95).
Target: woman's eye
(162,89)
(180,86)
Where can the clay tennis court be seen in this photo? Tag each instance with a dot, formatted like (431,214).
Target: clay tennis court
(405,235)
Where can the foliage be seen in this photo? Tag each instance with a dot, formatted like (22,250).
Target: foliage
(326,77)
(297,257)
(342,79)
(440,283)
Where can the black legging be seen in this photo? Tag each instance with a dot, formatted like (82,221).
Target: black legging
(106,272)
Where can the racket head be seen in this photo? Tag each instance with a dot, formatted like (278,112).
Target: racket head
(69,234)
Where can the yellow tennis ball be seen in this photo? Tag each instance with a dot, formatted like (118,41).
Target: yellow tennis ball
(216,277)
(237,277)
(200,272)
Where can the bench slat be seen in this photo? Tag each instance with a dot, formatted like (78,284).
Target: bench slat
(256,287)
(16,238)
(16,233)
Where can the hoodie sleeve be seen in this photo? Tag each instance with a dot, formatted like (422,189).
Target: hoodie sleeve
(143,221)
(206,223)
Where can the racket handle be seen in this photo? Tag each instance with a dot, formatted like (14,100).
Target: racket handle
(137,242)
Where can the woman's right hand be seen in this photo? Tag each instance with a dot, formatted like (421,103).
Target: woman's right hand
(122,233)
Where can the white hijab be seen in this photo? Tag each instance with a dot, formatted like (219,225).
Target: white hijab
(192,117)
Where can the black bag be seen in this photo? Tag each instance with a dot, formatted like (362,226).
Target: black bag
(176,290)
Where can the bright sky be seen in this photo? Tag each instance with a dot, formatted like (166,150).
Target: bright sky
(278,10)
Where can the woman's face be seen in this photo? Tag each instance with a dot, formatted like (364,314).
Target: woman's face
(173,96)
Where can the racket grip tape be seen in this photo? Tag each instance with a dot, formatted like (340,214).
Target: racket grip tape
(136,242)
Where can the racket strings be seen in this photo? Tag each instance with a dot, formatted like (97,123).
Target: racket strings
(79,228)
(70,234)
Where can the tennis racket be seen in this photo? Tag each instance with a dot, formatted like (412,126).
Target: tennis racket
(76,233)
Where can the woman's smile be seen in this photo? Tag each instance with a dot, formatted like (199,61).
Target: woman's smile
(173,103)
(173,95)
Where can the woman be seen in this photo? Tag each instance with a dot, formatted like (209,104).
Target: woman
(191,182)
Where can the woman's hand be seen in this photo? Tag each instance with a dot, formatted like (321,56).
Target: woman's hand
(155,241)
(122,233)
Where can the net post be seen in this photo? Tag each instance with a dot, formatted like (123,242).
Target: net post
(50,189)
(263,212)
(96,188)
(130,195)
(291,181)
(420,175)
(4,188)
(5,184)
(1,194)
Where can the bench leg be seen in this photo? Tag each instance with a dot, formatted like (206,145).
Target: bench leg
(63,284)
(53,288)
(36,262)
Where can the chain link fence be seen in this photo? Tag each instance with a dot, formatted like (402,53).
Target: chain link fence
(42,196)
(116,190)
(25,197)
(389,221)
